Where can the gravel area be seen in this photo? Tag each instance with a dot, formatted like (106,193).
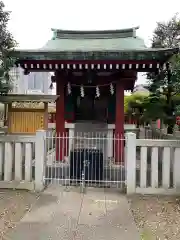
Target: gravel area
(157,217)
(13,206)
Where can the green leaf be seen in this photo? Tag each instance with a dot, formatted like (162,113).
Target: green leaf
(7,43)
(165,84)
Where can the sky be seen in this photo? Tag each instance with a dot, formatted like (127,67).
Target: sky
(31,21)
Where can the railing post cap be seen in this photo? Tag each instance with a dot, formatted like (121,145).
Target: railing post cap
(41,133)
(130,133)
(41,130)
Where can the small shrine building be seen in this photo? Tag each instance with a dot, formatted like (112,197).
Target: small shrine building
(27,113)
(92,69)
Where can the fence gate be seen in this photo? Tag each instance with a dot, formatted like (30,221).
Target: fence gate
(86,159)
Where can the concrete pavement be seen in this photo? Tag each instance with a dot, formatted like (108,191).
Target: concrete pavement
(66,214)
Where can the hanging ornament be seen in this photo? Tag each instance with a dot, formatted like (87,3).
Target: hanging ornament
(97,92)
(111,89)
(82,91)
(53,79)
(69,88)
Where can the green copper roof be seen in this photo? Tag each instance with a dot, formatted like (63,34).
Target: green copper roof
(161,55)
(109,40)
(128,32)
(95,45)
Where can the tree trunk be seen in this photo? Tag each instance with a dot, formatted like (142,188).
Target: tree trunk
(170,128)
(5,114)
(170,105)
(170,115)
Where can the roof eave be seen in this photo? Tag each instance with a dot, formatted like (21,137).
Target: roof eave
(94,31)
(43,51)
(28,98)
(153,54)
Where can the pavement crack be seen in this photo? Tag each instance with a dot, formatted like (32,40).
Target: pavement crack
(105,203)
(80,210)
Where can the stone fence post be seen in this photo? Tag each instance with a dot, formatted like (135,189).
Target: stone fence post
(40,156)
(130,158)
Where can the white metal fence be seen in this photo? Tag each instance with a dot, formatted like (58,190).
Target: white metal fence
(87,159)
(147,166)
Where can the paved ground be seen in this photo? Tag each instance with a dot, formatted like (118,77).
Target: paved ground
(14,204)
(69,215)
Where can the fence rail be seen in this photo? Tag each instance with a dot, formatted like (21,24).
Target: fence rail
(156,166)
(147,166)
(16,157)
(22,160)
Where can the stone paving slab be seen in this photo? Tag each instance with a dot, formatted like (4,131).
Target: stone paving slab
(67,214)
(93,208)
(86,232)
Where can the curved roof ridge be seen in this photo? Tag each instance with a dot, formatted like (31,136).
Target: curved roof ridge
(95,31)
(90,34)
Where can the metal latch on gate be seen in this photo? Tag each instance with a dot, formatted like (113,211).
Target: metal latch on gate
(86,163)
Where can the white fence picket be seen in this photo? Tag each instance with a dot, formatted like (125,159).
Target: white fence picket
(176,168)
(8,163)
(154,167)
(1,159)
(143,167)
(18,161)
(166,168)
(28,162)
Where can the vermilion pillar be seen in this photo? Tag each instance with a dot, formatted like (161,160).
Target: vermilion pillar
(60,120)
(119,123)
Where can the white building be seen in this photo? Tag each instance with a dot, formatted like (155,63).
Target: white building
(35,82)
(141,88)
